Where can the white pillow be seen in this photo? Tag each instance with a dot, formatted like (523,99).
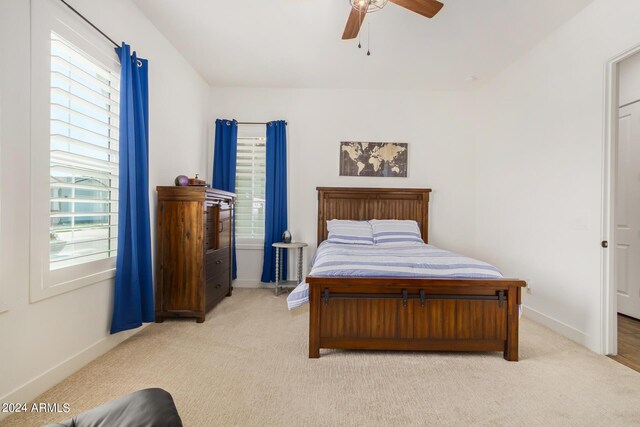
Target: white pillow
(350,232)
(394,232)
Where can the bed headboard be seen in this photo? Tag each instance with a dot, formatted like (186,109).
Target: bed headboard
(372,203)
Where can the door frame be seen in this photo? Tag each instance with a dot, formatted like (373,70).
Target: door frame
(608,312)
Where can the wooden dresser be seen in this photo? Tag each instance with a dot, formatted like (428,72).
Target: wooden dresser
(194,250)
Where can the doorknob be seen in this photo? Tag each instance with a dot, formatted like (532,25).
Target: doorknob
(604,244)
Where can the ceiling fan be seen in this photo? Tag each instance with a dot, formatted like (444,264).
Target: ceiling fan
(360,8)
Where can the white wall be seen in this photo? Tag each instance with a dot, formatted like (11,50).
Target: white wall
(539,167)
(437,125)
(45,341)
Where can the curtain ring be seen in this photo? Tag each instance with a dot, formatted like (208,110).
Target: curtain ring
(139,63)
(228,123)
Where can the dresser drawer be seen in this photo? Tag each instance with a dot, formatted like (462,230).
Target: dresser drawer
(217,275)
(216,288)
(217,261)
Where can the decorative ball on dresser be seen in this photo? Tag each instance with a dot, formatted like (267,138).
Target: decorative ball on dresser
(182,180)
(286,236)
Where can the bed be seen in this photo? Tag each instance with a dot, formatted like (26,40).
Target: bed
(406,313)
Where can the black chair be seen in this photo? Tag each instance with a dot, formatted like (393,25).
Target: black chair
(152,407)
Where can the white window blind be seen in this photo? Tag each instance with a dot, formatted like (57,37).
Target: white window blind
(83,157)
(250,186)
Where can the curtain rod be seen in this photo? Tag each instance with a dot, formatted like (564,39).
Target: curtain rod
(256,123)
(90,23)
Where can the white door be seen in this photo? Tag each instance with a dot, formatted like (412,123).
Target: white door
(627,211)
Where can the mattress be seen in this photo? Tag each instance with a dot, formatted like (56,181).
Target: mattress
(413,261)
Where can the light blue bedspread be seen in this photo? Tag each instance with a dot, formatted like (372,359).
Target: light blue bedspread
(417,261)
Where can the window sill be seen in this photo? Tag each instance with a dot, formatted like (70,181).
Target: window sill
(39,294)
(46,284)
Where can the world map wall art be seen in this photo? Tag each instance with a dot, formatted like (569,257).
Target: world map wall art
(386,159)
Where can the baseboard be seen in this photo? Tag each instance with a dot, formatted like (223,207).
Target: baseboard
(43,382)
(254,284)
(562,328)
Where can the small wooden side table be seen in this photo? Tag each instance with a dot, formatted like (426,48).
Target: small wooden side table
(299,255)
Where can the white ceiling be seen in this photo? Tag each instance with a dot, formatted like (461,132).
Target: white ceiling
(297,43)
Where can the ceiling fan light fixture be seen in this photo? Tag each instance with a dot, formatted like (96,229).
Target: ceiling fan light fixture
(368,6)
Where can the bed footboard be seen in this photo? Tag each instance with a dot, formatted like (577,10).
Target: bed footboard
(414,314)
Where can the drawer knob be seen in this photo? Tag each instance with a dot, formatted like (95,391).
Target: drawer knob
(219,261)
(218,286)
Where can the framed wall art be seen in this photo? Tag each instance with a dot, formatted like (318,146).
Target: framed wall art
(384,159)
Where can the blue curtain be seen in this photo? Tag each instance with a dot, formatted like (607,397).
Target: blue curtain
(133,296)
(224,168)
(276,198)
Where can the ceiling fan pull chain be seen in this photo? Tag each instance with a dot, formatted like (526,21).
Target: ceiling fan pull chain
(360,17)
(369,38)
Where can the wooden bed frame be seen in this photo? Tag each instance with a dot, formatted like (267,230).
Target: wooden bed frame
(405,313)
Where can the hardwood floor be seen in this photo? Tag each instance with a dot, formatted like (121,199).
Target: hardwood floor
(628,342)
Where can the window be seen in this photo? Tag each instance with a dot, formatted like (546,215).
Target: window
(73,185)
(83,157)
(250,182)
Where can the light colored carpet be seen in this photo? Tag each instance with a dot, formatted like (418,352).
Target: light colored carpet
(247,365)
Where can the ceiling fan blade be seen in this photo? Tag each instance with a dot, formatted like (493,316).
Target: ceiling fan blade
(427,8)
(354,23)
